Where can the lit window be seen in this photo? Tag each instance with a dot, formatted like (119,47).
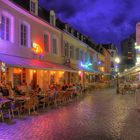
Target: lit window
(54,46)
(23,35)
(33,5)
(46,42)
(5,28)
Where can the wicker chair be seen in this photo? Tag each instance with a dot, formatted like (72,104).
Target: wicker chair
(1,114)
(6,110)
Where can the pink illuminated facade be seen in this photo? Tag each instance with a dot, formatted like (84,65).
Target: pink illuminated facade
(24,35)
(34,50)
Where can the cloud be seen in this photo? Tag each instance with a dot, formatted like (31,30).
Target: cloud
(104,21)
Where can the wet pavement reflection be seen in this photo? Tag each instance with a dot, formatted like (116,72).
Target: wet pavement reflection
(98,115)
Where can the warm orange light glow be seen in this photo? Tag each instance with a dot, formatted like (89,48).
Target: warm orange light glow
(37,49)
(61,72)
(79,72)
(17,70)
(34,71)
(102,69)
(53,72)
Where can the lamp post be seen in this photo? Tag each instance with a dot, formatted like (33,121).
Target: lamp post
(117,61)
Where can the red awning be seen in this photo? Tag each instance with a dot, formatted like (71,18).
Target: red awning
(22,62)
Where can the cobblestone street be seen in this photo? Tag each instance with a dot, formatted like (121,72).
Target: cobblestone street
(99,115)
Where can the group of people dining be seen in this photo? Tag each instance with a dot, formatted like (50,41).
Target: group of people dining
(23,98)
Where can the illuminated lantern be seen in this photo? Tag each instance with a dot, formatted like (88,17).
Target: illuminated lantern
(37,49)
(79,72)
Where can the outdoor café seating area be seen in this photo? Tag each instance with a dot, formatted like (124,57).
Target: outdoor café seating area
(127,87)
(22,99)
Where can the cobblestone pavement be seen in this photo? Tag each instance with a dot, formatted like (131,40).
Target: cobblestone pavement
(99,115)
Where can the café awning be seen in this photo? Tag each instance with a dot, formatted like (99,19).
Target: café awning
(90,70)
(21,62)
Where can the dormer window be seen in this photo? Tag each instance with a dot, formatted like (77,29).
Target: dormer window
(34,6)
(81,37)
(52,17)
(66,27)
(77,35)
(72,31)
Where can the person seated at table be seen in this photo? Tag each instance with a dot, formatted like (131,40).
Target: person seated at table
(53,93)
(74,86)
(64,87)
(1,94)
(11,93)
(30,87)
(17,90)
(5,91)
(24,87)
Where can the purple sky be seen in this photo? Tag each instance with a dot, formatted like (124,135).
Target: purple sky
(104,21)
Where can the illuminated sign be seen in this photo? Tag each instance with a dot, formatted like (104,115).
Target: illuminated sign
(37,49)
(86,65)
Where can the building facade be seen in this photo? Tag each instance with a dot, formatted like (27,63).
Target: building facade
(38,49)
(128,59)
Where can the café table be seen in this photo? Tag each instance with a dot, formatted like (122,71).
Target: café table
(3,101)
(22,98)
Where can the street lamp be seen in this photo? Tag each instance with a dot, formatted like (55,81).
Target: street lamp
(117,60)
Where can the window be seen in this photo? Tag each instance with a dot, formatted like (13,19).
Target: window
(5,28)
(112,54)
(46,42)
(72,31)
(52,19)
(77,35)
(54,46)
(86,57)
(66,27)
(81,55)
(71,52)
(77,53)
(33,5)
(66,49)
(91,59)
(23,35)
(81,37)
